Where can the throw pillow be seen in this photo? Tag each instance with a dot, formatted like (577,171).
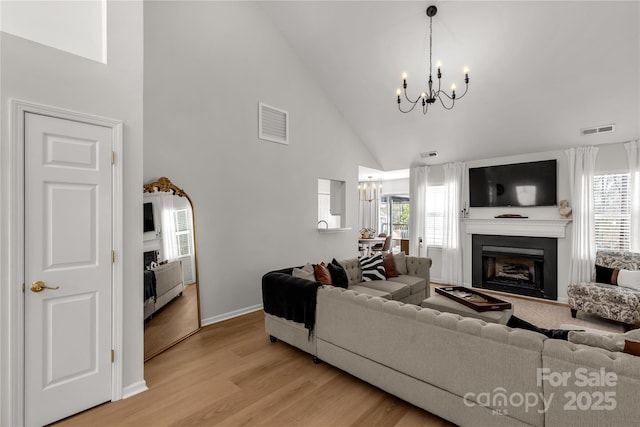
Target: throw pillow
(390,266)
(338,274)
(606,275)
(322,274)
(611,342)
(401,263)
(372,268)
(305,272)
(629,279)
(632,347)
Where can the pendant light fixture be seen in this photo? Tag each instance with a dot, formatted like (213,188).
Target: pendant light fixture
(431,95)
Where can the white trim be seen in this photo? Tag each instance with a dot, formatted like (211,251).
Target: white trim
(17,111)
(517,227)
(133,389)
(230,315)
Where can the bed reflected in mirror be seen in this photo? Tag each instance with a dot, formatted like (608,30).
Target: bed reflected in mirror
(171,292)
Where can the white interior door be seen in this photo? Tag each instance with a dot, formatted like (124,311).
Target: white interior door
(68,248)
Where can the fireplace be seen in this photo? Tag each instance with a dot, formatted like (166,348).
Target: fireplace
(516,264)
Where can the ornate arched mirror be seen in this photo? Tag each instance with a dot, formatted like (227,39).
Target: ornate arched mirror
(171,293)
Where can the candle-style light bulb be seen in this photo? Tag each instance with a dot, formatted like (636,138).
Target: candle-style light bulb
(398,92)
(453,91)
(439,64)
(404,76)
(466,70)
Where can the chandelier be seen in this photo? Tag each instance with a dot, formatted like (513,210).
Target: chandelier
(431,95)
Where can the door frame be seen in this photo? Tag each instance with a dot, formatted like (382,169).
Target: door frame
(18,108)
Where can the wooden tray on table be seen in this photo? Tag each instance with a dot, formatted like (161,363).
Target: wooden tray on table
(473,299)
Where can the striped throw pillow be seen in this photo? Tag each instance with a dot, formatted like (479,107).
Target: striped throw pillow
(372,268)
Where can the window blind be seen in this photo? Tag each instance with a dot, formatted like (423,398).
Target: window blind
(612,211)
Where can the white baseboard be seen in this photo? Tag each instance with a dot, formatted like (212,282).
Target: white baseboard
(230,315)
(133,389)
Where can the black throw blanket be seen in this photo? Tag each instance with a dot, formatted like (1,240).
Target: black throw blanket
(290,297)
(150,285)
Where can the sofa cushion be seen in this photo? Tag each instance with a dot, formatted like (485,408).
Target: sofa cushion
(352,268)
(611,342)
(372,268)
(322,274)
(397,290)
(338,275)
(629,279)
(401,262)
(370,291)
(631,347)
(606,275)
(416,284)
(390,266)
(305,272)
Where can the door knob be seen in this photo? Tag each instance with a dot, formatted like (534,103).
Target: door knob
(40,286)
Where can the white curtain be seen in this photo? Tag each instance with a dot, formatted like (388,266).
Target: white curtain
(418,181)
(582,162)
(168,228)
(633,153)
(451,230)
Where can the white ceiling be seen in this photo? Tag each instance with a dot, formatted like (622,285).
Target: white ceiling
(539,72)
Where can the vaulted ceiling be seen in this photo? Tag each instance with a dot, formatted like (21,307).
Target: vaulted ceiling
(539,72)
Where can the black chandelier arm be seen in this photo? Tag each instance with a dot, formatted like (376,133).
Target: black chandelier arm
(410,101)
(410,109)
(425,109)
(453,103)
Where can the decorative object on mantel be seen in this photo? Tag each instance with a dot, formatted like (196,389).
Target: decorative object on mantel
(510,216)
(430,96)
(565,210)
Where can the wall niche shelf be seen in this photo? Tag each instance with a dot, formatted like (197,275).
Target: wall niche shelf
(333,230)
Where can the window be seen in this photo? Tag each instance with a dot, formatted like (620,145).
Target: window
(435,214)
(183,231)
(612,211)
(394,216)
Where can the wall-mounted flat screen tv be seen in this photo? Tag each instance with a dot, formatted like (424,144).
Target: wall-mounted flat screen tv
(149,225)
(519,184)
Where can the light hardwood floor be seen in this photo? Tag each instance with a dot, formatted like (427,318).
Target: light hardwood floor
(229,374)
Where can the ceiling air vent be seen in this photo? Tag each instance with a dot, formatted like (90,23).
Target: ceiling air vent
(598,129)
(429,154)
(273,124)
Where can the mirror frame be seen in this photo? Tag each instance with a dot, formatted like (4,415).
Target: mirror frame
(164,185)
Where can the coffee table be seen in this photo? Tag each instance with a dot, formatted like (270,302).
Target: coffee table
(448,305)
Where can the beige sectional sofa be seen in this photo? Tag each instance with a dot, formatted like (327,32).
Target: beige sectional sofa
(411,286)
(465,370)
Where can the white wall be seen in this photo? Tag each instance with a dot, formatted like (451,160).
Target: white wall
(78,26)
(33,72)
(207,64)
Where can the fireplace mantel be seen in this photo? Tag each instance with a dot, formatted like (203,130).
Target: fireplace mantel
(517,227)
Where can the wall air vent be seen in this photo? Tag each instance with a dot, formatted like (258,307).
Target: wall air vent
(273,124)
(598,129)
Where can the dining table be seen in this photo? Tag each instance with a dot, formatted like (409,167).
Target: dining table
(369,242)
